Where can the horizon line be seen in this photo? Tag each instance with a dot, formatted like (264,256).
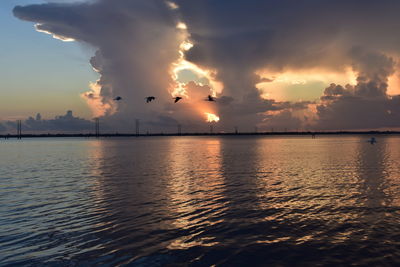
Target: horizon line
(291,133)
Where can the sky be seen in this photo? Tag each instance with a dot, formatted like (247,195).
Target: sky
(308,65)
(40,74)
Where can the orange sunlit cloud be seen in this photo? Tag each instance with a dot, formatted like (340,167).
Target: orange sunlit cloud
(95,101)
(182,64)
(195,92)
(310,83)
(211,117)
(394,84)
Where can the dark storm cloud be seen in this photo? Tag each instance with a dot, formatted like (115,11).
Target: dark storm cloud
(137,41)
(365,105)
(359,113)
(240,37)
(335,91)
(288,33)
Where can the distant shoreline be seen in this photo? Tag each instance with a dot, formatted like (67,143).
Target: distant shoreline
(91,135)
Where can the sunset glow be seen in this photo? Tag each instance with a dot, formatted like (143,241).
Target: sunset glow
(181,26)
(95,101)
(55,36)
(182,64)
(301,85)
(211,117)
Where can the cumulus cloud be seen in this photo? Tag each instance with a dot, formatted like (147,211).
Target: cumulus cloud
(238,38)
(136,40)
(138,43)
(366,104)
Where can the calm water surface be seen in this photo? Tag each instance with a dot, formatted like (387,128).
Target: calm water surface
(200,201)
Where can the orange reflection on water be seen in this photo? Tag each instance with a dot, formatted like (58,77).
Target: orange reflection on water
(96,154)
(319,179)
(195,186)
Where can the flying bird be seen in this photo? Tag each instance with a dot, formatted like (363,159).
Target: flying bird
(177,99)
(149,99)
(210,98)
(118,98)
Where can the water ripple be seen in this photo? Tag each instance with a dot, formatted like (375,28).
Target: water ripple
(200,201)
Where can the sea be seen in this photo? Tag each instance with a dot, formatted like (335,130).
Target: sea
(200,201)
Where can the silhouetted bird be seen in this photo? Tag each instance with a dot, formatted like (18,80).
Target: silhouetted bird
(372,140)
(118,98)
(149,99)
(210,98)
(177,99)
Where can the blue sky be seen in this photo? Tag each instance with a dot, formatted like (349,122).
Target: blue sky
(39,73)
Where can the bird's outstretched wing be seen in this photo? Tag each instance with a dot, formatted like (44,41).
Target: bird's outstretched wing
(210,98)
(177,99)
(149,99)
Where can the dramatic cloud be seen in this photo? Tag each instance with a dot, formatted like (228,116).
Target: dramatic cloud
(137,42)
(239,38)
(232,45)
(365,104)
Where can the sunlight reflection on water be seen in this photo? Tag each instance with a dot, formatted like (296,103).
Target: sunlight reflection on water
(200,200)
